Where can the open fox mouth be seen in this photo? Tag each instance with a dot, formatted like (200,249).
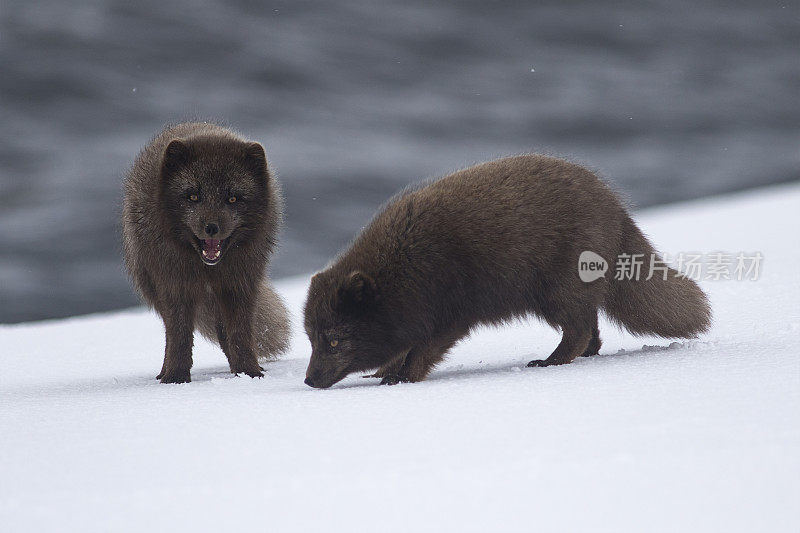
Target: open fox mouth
(211,250)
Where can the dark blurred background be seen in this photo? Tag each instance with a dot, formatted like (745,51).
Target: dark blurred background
(669,100)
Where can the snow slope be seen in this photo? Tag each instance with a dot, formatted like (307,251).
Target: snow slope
(648,436)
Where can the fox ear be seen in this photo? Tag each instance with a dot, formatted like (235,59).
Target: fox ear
(175,155)
(256,159)
(357,289)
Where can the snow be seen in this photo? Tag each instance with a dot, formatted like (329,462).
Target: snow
(651,435)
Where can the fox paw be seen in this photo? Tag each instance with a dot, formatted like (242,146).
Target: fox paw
(178,376)
(394,379)
(538,362)
(592,349)
(253,373)
(247,366)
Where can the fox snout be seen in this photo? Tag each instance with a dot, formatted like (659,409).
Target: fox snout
(324,376)
(212,228)
(314,379)
(211,225)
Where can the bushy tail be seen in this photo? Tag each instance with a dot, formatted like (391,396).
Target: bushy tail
(675,307)
(270,324)
(271,328)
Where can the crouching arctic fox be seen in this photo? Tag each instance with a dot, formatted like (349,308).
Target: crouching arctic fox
(200,216)
(482,246)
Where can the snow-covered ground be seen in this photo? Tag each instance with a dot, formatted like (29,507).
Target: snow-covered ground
(699,435)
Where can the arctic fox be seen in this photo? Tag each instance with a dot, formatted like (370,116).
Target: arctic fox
(200,216)
(482,246)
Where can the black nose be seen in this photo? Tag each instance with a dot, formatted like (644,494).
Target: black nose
(212,229)
(309,382)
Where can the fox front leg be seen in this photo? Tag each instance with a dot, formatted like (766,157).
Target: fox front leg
(390,368)
(179,340)
(238,328)
(420,360)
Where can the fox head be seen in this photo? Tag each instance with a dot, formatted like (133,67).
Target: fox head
(345,320)
(215,192)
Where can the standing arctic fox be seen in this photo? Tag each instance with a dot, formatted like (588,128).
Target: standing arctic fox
(199,222)
(482,246)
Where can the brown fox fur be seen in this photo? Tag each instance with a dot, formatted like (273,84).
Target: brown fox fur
(482,246)
(200,216)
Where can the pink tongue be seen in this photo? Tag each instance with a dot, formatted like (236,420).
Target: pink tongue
(211,245)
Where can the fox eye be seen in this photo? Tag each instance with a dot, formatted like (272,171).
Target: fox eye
(232,200)
(194,197)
